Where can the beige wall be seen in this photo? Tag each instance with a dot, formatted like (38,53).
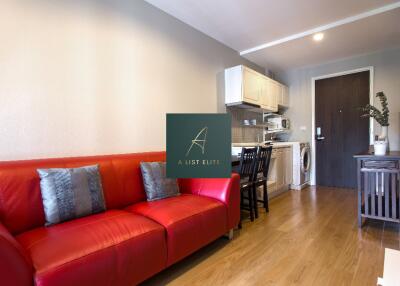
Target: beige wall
(386,78)
(83,77)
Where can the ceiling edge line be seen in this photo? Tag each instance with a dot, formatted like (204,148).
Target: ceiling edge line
(338,23)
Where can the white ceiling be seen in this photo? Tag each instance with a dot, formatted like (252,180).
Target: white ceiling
(244,24)
(364,36)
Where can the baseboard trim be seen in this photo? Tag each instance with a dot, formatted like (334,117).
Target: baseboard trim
(300,187)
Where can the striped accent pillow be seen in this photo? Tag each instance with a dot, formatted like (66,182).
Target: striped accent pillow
(69,193)
(156,184)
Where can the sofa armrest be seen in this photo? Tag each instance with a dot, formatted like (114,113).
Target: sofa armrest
(15,265)
(226,190)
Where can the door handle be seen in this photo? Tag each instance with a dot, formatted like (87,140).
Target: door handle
(318,135)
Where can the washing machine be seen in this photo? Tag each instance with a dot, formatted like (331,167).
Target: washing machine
(301,165)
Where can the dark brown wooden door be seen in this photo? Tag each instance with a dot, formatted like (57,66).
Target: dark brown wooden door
(345,133)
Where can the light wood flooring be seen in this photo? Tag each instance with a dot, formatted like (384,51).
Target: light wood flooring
(309,237)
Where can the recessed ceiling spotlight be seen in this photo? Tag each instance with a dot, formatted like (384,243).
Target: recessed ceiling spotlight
(318,37)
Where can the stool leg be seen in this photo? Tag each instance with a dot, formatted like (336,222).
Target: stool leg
(255,201)
(266,205)
(250,195)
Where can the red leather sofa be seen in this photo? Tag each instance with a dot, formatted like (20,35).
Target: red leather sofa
(131,241)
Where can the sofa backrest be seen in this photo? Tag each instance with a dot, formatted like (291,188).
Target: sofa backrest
(21,205)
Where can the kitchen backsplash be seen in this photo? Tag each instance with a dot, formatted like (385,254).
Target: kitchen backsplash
(241,133)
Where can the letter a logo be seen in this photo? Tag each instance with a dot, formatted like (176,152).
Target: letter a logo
(199,140)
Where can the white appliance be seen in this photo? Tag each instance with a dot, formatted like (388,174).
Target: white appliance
(301,165)
(278,123)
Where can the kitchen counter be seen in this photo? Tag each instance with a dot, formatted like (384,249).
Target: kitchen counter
(251,144)
(255,144)
(282,144)
(237,148)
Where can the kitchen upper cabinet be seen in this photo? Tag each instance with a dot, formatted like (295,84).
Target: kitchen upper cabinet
(252,86)
(279,92)
(283,95)
(268,99)
(247,88)
(274,89)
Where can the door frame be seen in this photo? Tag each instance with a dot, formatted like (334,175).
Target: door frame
(371,121)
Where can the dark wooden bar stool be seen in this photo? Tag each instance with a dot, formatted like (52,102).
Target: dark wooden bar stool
(260,178)
(248,159)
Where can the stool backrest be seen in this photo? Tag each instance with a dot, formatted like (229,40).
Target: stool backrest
(247,161)
(262,161)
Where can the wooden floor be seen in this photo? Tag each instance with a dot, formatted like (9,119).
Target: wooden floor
(308,238)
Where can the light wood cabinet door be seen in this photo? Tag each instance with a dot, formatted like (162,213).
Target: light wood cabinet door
(268,98)
(282,94)
(272,91)
(272,172)
(280,168)
(280,172)
(288,166)
(251,86)
(279,93)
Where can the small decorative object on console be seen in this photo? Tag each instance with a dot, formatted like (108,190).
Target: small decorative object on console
(382,117)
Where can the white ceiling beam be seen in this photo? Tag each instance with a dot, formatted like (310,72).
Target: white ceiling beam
(341,22)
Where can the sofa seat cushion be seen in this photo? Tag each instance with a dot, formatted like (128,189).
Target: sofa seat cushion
(191,222)
(111,248)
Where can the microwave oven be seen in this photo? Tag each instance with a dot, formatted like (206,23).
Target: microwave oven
(278,123)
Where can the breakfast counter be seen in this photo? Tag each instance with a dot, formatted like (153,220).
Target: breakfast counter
(255,144)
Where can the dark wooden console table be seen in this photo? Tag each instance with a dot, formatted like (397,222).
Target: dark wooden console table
(378,186)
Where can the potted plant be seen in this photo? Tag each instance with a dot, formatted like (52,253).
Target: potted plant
(382,117)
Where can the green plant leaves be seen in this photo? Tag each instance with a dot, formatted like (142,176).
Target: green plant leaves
(382,117)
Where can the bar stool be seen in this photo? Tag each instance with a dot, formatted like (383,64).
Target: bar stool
(260,178)
(248,159)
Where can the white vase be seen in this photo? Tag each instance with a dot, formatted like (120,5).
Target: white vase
(384,136)
(384,133)
(380,148)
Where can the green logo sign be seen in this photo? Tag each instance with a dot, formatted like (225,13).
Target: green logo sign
(199,146)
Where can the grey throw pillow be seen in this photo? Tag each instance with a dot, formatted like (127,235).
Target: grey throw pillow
(71,193)
(156,184)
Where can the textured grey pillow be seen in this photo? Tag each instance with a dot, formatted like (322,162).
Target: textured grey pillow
(70,193)
(156,184)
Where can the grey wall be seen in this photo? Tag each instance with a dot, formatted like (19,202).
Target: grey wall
(97,77)
(386,66)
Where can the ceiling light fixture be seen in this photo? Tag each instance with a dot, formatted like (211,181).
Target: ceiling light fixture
(318,37)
